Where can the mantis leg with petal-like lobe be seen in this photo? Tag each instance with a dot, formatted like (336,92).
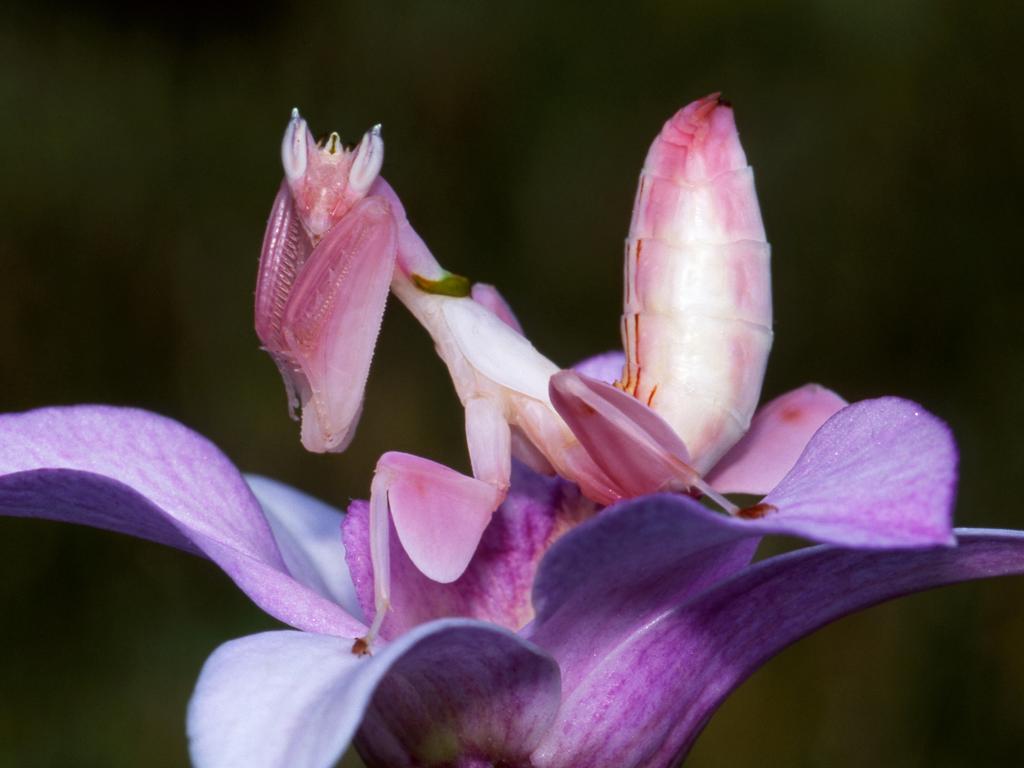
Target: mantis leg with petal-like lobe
(631,443)
(332,319)
(286,248)
(439,515)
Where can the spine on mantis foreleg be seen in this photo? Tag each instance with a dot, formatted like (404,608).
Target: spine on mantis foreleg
(697,316)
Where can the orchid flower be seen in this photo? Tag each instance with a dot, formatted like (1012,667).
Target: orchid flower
(606,642)
(596,616)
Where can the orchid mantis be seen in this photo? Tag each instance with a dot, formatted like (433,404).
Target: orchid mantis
(337,238)
(696,329)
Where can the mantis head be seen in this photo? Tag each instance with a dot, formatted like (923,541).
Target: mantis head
(326,178)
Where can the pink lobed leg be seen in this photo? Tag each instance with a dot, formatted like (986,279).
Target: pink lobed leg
(439,515)
(332,319)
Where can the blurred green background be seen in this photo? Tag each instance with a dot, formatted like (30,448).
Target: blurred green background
(139,157)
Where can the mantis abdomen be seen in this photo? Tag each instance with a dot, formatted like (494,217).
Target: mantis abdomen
(697,316)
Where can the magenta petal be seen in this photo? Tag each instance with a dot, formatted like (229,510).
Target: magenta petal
(667,678)
(608,577)
(134,472)
(879,473)
(777,436)
(496,585)
(466,694)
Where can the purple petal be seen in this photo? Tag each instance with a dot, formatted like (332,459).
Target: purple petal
(670,674)
(469,695)
(496,585)
(614,573)
(308,533)
(134,472)
(879,473)
(606,367)
(294,700)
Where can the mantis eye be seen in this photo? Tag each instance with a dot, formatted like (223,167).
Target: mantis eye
(294,148)
(369,156)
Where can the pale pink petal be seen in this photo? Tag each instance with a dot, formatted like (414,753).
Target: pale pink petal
(439,514)
(777,436)
(280,700)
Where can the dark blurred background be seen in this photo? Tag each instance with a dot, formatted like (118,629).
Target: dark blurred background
(139,157)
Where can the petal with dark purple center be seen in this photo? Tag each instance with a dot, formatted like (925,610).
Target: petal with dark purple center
(467,694)
(294,700)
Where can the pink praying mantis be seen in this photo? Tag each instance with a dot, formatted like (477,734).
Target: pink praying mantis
(696,330)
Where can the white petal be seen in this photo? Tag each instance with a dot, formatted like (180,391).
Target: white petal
(308,533)
(277,699)
(295,699)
